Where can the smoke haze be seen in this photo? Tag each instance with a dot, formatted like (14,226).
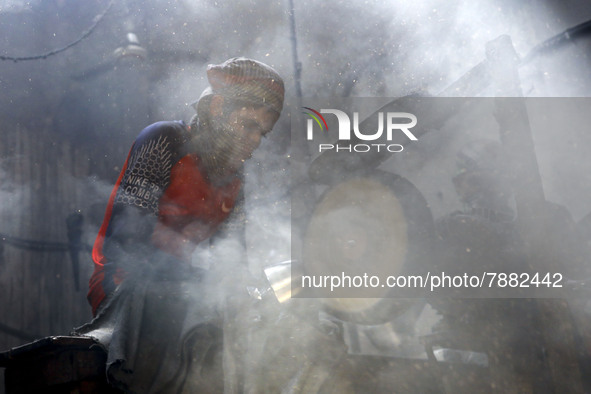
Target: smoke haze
(68,120)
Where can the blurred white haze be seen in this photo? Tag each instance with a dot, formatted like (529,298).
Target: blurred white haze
(96,105)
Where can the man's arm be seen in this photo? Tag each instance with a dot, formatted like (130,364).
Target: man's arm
(135,209)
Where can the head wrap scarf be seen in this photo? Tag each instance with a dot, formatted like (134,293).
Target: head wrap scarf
(240,80)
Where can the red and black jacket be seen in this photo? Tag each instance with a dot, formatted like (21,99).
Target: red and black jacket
(162,204)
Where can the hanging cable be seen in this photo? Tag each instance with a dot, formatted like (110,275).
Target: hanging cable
(39,246)
(96,20)
(294,50)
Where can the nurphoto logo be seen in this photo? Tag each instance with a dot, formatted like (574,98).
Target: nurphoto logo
(396,122)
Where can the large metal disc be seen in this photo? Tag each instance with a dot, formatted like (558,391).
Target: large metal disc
(361,227)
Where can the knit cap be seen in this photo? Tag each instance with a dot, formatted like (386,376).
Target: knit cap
(247,80)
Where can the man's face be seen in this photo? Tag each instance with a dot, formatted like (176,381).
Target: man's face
(246,126)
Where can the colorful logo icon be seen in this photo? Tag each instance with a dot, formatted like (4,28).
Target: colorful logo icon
(316,115)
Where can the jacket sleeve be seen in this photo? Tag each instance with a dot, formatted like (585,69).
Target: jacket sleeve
(135,208)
